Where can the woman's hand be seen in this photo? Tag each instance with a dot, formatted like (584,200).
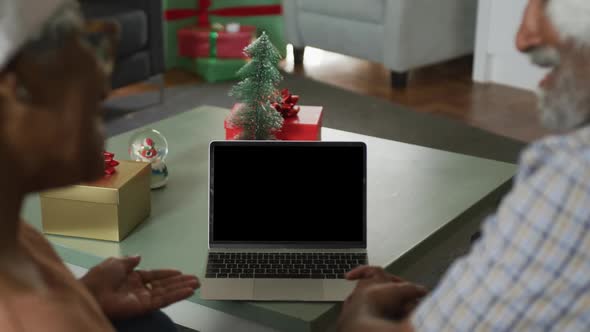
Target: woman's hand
(123,292)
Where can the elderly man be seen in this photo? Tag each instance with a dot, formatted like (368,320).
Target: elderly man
(531,269)
(53,77)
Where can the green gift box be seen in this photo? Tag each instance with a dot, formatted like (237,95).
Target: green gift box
(171,27)
(214,69)
(265,15)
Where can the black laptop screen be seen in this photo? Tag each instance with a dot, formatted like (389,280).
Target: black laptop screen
(280,192)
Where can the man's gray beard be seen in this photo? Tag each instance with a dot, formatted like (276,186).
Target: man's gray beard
(565,106)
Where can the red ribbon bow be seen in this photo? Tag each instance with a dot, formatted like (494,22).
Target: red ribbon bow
(204,12)
(288,105)
(109,163)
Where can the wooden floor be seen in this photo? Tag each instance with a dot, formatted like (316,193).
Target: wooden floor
(445,89)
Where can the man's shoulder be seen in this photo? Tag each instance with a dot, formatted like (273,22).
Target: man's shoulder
(559,153)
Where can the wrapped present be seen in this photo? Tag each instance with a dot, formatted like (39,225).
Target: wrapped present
(265,15)
(305,125)
(213,69)
(108,209)
(171,27)
(199,42)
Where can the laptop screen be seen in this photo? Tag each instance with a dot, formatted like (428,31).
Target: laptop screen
(292,194)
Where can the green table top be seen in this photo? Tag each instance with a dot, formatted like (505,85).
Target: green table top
(413,192)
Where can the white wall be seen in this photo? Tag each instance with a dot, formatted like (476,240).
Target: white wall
(496,57)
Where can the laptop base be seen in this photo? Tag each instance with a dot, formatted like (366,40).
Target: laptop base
(304,290)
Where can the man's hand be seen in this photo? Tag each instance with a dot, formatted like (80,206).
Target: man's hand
(379,301)
(406,294)
(123,292)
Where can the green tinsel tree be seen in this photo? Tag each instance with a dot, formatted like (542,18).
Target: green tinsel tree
(257,91)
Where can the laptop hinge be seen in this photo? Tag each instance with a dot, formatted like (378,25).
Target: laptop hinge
(279,250)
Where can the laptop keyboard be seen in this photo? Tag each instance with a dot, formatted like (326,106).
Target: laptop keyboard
(282,265)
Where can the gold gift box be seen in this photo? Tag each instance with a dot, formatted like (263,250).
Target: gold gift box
(108,209)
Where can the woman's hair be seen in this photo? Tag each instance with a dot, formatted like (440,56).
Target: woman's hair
(99,36)
(66,21)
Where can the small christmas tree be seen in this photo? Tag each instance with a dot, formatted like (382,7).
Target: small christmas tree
(257,91)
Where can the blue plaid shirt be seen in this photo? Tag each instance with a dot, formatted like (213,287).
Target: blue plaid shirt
(531,269)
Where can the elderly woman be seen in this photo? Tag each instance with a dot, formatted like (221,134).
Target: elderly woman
(53,77)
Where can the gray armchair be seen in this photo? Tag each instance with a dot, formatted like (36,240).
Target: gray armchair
(140,54)
(400,34)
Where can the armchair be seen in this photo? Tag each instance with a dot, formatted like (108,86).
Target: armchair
(140,54)
(400,34)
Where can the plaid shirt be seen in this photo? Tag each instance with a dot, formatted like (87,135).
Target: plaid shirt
(531,269)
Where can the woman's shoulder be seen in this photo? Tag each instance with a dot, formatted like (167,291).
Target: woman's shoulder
(47,312)
(28,233)
(35,242)
(7,320)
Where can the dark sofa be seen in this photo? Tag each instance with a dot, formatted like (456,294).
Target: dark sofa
(140,55)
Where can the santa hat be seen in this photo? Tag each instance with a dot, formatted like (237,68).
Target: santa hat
(21,20)
(571,19)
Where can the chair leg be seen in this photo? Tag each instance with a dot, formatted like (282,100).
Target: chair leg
(399,80)
(160,81)
(298,53)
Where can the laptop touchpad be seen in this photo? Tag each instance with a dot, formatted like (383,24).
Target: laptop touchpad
(288,290)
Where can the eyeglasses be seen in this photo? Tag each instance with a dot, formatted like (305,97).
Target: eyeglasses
(102,37)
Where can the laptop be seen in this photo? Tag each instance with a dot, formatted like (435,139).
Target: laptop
(287,220)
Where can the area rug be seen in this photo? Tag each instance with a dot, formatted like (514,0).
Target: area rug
(342,110)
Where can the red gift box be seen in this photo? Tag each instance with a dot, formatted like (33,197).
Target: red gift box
(197,42)
(305,126)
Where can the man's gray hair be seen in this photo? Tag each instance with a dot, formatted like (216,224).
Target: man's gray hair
(571,18)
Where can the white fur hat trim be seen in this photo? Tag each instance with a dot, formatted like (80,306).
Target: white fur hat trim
(21,19)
